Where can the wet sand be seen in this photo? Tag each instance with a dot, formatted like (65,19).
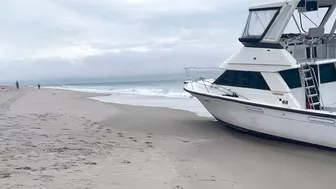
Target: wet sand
(61,139)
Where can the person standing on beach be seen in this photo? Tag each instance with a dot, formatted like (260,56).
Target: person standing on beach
(38,86)
(17,85)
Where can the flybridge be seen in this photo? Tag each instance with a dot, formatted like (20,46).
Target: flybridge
(311,23)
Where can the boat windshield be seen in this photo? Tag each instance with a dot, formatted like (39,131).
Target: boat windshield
(301,22)
(258,22)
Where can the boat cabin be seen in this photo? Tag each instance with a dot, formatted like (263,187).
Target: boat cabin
(288,56)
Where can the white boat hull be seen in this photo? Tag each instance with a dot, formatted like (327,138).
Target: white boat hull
(304,127)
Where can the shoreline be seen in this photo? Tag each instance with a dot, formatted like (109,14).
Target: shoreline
(60,139)
(100,96)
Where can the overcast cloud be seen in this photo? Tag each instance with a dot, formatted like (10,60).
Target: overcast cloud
(56,39)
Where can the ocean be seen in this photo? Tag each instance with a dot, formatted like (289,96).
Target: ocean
(169,94)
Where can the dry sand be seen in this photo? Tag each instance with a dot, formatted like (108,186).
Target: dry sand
(61,139)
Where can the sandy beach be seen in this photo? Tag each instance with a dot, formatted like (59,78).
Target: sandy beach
(61,139)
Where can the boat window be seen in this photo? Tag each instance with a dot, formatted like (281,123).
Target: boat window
(243,79)
(327,73)
(258,22)
(292,78)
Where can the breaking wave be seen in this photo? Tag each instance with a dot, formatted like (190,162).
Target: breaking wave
(153,92)
(128,91)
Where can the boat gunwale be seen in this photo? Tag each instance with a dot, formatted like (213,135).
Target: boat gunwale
(305,112)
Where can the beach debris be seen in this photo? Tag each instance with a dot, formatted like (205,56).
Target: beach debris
(126,162)
(178,187)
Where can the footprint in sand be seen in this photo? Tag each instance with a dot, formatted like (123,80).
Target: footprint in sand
(149,144)
(126,162)
(91,163)
(5,175)
(26,168)
(133,139)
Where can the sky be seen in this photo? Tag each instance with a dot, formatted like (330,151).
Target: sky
(66,39)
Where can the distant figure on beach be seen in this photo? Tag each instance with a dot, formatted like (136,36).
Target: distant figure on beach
(39,86)
(17,85)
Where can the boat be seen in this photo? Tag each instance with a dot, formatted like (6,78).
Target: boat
(279,83)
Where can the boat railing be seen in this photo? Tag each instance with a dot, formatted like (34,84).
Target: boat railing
(310,50)
(196,74)
(205,76)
